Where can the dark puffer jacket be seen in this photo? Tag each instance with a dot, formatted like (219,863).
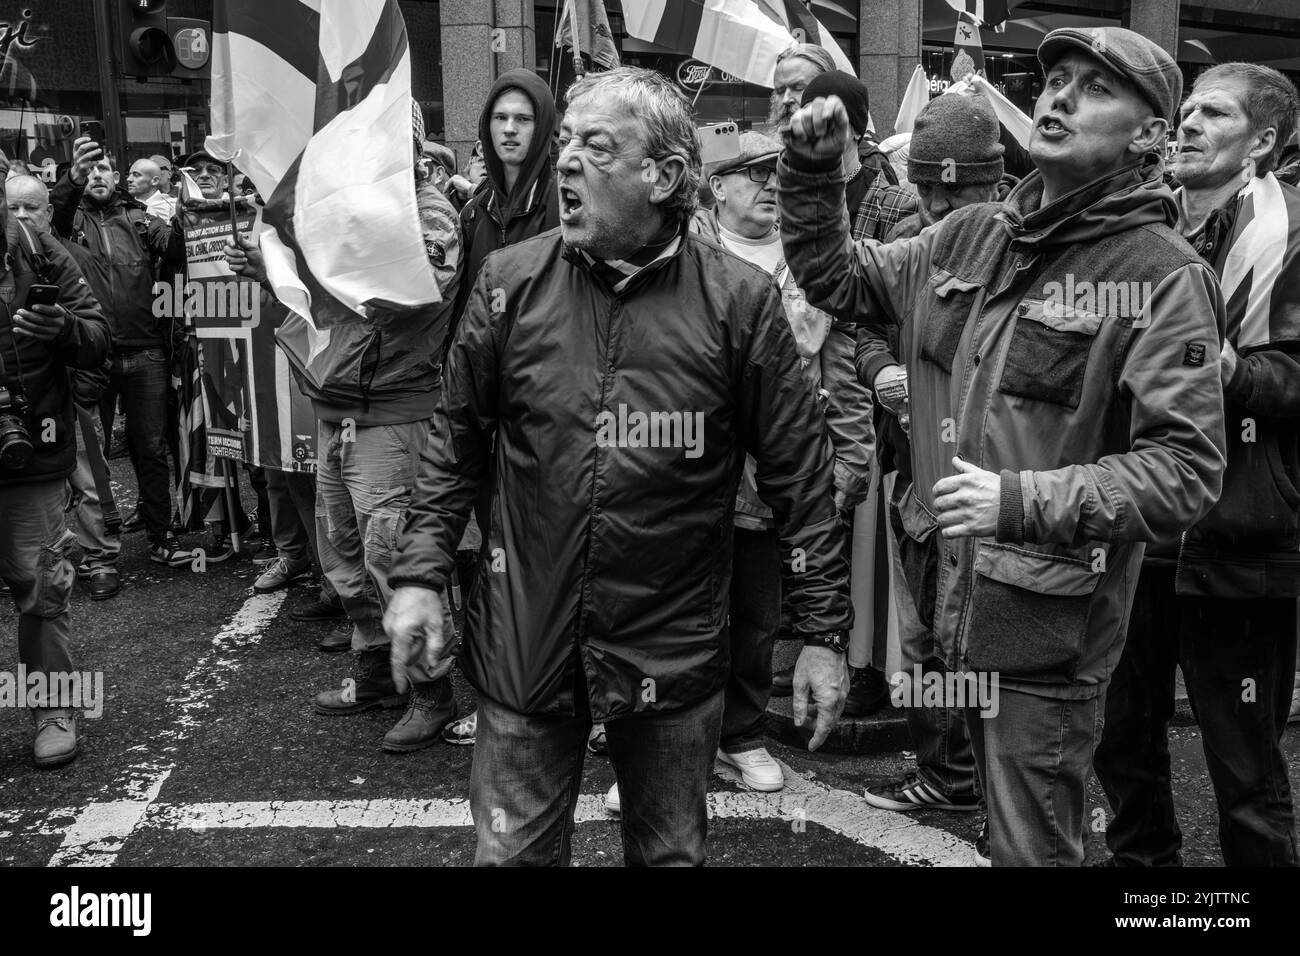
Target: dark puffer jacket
(46,366)
(609,537)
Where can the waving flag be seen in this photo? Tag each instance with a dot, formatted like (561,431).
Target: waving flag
(804,27)
(312,100)
(584,28)
(732,35)
(967,40)
(915,98)
(1261,272)
(987,12)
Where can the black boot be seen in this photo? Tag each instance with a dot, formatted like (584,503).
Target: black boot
(371,685)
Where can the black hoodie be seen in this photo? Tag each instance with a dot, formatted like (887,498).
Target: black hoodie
(494,218)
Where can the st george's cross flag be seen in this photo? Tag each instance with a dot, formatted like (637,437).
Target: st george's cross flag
(1260,275)
(312,100)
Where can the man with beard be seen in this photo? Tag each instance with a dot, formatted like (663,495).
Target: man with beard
(602,390)
(795,69)
(1221,601)
(129,248)
(1053,434)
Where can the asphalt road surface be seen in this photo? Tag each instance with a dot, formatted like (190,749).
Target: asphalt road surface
(208,753)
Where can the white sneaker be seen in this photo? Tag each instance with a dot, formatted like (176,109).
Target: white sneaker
(612,803)
(757,769)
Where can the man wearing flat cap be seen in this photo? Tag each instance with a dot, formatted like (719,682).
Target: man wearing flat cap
(1062,350)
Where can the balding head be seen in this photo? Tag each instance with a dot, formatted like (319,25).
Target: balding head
(144,179)
(28,200)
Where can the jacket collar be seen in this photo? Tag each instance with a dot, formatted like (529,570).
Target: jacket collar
(593,268)
(1128,198)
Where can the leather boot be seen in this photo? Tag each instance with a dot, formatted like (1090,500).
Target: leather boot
(56,736)
(371,685)
(432,707)
(338,639)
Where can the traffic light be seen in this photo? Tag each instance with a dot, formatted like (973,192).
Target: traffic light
(145,47)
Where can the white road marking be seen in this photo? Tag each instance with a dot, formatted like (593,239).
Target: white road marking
(99,830)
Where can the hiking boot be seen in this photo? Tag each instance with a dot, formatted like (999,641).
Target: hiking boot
(278,575)
(432,705)
(169,552)
(868,692)
(913,793)
(371,685)
(56,736)
(338,639)
(104,584)
(319,610)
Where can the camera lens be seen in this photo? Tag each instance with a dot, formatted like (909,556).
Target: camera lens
(16,451)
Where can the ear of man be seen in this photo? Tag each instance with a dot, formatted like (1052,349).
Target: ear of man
(1149,136)
(718,188)
(669,173)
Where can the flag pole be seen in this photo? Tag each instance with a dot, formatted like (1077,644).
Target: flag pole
(229,477)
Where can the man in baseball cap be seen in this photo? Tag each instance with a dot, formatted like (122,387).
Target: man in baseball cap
(1062,354)
(209,174)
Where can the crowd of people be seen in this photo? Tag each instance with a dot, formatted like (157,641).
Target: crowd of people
(668,413)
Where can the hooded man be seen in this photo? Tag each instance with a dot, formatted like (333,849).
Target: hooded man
(1057,425)
(518,199)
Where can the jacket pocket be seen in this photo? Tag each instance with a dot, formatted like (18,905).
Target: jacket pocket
(951,302)
(917,551)
(1047,358)
(1029,613)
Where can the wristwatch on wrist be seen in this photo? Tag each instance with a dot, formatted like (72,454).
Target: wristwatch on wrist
(838,641)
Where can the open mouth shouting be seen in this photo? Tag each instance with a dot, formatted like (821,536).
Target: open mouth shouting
(570,203)
(1051,127)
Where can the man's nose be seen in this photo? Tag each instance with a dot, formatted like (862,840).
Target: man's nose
(568,158)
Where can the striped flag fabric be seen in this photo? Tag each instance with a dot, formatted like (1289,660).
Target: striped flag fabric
(1261,271)
(733,35)
(312,100)
(987,12)
(804,27)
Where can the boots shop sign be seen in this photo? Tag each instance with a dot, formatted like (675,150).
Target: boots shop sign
(692,75)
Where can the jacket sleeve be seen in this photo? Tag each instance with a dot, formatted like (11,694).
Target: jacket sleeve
(872,354)
(65,197)
(861,282)
(781,426)
(166,241)
(848,415)
(85,340)
(1267,382)
(458,456)
(1172,473)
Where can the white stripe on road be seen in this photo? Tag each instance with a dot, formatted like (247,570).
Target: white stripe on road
(96,835)
(802,801)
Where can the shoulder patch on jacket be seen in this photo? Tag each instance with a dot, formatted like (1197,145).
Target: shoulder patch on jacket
(1194,354)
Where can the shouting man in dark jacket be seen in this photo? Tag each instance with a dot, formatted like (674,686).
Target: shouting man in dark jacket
(603,388)
(39,346)
(1062,359)
(1222,601)
(128,246)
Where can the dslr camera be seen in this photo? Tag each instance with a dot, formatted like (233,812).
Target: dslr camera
(16,448)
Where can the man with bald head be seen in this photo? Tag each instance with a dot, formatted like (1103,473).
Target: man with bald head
(145,184)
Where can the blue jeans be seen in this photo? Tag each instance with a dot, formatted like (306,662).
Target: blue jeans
(364,481)
(140,377)
(1033,759)
(527,772)
(36,561)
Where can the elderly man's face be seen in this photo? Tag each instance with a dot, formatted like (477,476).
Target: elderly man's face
(1214,136)
(28,201)
(604,178)
(210,177)
(143,178)
(747,200)
(937,200)
(1085,120)
(792,76)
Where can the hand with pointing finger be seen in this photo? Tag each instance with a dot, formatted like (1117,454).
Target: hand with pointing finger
(968,502)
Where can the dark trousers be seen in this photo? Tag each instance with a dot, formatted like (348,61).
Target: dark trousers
(140,377)
(36,562)
(291,496)
(755,622)
(527,773)
(1238,660)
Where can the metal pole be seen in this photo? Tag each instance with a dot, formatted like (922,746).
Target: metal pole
(110,102)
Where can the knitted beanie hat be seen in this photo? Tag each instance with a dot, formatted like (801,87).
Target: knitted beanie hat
(955,140)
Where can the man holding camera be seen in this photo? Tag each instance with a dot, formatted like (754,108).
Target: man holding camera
(39,344)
